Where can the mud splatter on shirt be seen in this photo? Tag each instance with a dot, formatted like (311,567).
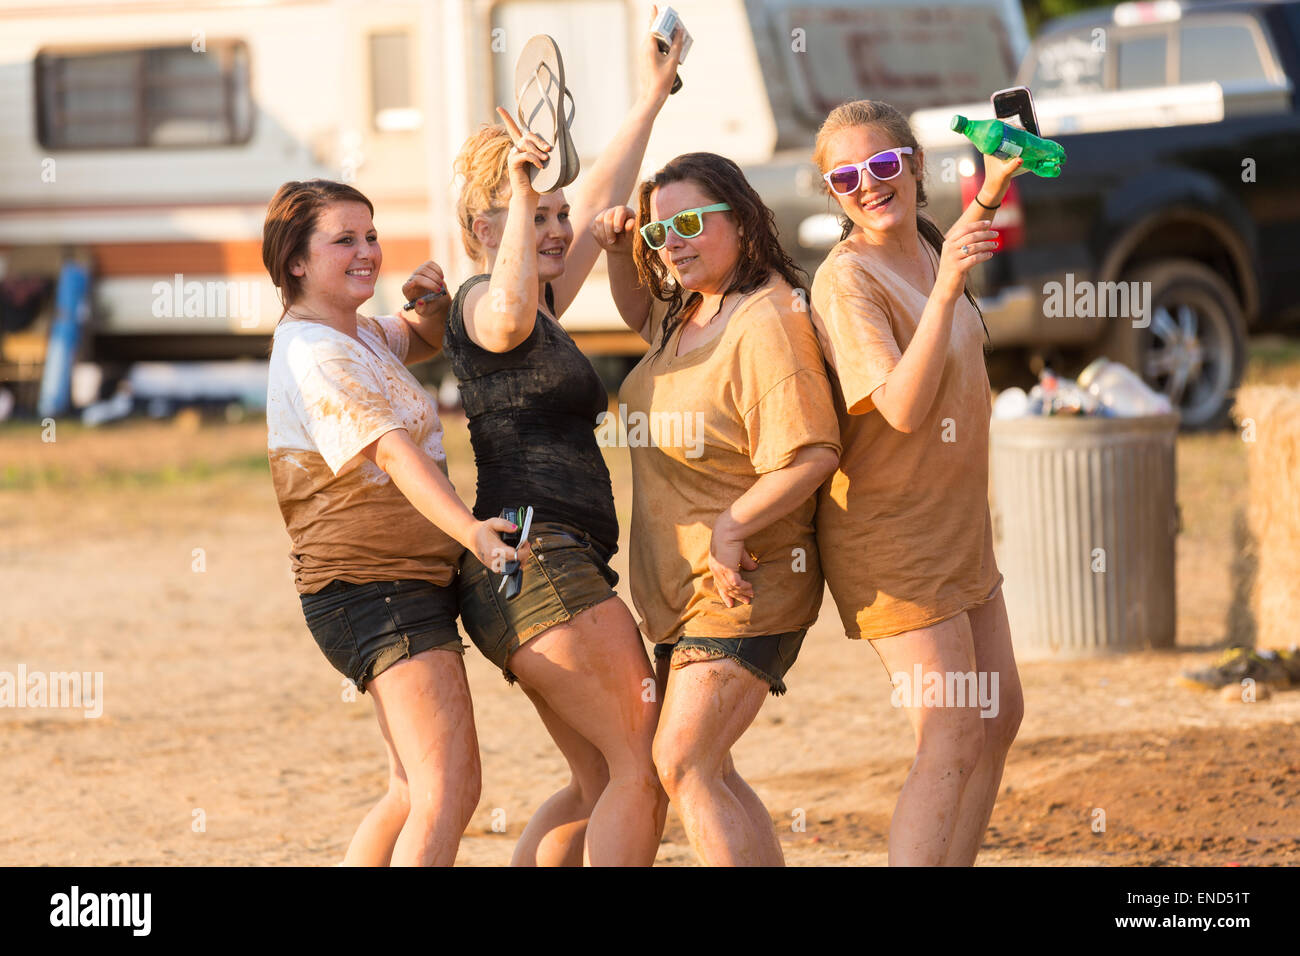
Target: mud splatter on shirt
(328,397)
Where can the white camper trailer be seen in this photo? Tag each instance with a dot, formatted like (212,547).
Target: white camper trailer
(146,136)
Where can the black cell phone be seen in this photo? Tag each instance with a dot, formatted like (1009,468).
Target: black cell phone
(1016,106)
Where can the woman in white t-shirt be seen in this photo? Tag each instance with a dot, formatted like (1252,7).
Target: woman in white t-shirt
(377,529)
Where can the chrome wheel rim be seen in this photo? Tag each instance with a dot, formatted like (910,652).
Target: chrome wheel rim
(1189,357)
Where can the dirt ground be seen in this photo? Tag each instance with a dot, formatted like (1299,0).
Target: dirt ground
(226,738)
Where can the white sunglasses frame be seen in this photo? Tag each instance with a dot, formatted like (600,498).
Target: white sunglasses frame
(862,168)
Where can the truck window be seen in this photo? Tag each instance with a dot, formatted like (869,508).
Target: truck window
(144,97)
(914,57)
(1141,61)
(1069,63)
(1222,52)
(593,39)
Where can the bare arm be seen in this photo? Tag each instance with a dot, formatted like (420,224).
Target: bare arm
(613,231)
(428,490)
(904,399)
(773,496)
(611,179)
(501,316)
(998,174)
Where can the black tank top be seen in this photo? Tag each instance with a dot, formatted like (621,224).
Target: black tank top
(532,418)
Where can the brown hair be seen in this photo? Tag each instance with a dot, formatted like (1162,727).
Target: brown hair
(481,166)
(894,124)
(290,221)
(760,251)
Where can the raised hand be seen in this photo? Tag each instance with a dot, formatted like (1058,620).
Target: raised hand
(528,148)
(425,279)
(614,229)
(656,71)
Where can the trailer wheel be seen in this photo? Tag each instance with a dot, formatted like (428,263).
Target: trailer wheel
(1193,349)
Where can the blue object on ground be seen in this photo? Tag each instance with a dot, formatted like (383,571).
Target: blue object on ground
(71,305)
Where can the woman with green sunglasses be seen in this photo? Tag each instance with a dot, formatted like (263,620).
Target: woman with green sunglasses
(722,566)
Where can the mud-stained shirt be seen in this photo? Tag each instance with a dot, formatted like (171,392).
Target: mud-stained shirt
(702,428)
(903,524)
(327,398)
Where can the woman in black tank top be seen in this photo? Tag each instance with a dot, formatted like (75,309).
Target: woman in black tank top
(531,413)
(533,402)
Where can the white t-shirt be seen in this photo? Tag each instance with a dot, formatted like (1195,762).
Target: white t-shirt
(328,397)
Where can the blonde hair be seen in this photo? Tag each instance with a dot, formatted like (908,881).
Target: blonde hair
(481,167)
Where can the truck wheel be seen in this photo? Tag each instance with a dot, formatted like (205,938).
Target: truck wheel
(1193,350)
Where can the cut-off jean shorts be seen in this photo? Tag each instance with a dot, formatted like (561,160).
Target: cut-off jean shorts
(768,658)
(566,574)
(363,629)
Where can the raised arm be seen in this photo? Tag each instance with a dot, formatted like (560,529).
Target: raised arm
(613,230)
(610,180)
(904,399)
(998,174)
(500,314)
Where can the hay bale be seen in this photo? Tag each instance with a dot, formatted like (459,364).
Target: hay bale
(1271,415)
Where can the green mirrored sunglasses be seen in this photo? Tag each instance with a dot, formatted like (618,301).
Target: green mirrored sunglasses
(688,224)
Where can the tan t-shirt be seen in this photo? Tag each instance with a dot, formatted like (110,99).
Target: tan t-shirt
(702,428)
(903,524)
(327,398)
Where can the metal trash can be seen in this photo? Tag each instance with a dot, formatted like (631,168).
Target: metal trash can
(1084,524)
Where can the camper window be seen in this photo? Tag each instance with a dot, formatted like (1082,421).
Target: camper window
(392,103)
(144,97)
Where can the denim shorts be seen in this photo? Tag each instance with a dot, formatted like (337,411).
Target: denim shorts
(363,629)
(767,658)
(565,574)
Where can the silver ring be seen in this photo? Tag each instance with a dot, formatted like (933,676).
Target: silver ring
(965,250)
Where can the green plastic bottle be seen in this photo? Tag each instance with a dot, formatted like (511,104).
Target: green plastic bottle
(1043,157)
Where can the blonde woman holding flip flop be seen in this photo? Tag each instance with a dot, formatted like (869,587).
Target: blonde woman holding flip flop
(533,402)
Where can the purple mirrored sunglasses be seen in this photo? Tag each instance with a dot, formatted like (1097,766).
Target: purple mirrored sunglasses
(884,165)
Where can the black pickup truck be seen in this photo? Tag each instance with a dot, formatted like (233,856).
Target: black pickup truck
(1174,230)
